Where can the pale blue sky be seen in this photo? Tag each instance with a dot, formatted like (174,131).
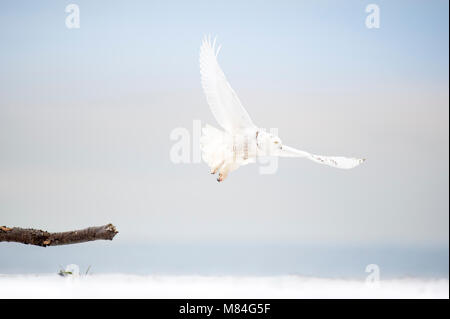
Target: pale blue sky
(154,44)
(85,118)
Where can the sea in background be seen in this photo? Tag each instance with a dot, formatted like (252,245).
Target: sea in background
(328,261)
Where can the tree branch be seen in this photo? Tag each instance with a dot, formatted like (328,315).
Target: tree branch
(44,239)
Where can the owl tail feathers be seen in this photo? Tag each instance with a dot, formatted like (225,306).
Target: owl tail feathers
(213,147)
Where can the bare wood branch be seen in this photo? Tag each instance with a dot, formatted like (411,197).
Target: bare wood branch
(42,238)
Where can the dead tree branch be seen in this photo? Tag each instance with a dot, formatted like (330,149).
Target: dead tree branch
(44,239)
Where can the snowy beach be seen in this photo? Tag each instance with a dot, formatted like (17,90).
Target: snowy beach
(134,286)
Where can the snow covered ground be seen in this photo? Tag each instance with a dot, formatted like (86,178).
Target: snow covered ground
(133,286)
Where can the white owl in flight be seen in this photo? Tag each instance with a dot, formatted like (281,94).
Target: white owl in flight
(242,141)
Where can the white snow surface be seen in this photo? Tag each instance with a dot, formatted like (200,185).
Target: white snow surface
(158,286)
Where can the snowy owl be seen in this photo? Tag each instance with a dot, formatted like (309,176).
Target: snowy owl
(241,142)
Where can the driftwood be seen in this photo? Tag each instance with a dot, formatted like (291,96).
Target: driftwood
(44,239)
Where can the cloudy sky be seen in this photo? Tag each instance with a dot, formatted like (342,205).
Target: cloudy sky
(86,116)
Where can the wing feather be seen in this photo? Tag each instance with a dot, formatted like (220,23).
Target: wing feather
(334,161)
(223,101)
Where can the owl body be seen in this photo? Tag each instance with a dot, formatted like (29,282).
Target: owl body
(225,152)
